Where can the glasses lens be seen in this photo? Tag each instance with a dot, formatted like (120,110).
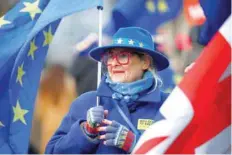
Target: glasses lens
(123,58)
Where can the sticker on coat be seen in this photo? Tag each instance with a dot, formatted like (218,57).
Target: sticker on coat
(143,124)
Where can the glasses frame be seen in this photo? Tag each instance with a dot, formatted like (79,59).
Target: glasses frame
(117,57)
(129,53)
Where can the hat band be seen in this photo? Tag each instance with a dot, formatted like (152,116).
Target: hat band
(130,42)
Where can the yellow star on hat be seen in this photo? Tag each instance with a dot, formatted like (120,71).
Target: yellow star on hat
(119,41)
(131,42)
(140,44)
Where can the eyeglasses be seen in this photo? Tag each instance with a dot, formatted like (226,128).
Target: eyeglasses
(122,58)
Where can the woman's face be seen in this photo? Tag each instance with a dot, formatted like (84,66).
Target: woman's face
(124,66)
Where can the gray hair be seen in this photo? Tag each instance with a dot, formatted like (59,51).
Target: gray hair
(158,80)
(152,69)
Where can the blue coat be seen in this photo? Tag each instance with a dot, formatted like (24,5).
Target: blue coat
(69,138)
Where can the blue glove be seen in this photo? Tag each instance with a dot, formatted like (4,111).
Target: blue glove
(118,135)
(95,115)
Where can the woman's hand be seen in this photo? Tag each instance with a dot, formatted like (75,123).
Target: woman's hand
(95,115)
(117,135)
(189,67)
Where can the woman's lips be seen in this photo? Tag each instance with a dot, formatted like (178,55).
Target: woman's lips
(115,72)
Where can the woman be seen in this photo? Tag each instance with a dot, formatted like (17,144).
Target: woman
(129,99)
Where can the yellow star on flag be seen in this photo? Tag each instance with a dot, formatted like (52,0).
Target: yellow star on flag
(19,113)
(1,124)
(32,50)
(47,37)
(162,6)
(3,22)
(150,6)
(20,75)
(31,8)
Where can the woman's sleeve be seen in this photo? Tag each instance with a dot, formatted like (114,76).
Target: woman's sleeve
(70,138)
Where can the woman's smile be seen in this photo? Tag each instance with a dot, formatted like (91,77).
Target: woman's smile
(118,71)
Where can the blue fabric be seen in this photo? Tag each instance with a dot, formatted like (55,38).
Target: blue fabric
(130,91)
(168,77)
(16,37)
(145,14)
(69,137)
(136,38)
(216,12)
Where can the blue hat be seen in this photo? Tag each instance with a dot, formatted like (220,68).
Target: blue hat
(135,38)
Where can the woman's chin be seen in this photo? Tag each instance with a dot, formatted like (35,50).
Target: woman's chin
(118,79)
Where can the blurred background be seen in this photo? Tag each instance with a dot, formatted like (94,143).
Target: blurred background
(176,26)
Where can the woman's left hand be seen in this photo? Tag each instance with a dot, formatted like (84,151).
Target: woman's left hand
(117,135)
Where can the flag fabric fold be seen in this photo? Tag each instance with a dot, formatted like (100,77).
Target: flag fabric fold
(197,112)
(25,34)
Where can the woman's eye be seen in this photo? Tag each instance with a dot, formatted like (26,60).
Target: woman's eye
(123,55)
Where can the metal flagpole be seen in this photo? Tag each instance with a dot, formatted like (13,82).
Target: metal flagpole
(100,9)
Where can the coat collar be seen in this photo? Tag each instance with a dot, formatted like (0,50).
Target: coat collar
(151,96)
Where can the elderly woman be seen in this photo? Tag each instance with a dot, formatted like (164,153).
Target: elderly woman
(129,99)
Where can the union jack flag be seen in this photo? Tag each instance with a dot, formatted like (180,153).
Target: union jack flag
(197,112)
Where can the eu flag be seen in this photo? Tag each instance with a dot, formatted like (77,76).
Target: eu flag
(148,14)
(25,34)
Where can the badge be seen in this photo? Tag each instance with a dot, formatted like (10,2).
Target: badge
(143,124)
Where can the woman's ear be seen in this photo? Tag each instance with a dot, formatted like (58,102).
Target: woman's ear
(146,62)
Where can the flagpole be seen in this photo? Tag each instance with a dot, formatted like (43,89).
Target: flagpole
(100,8)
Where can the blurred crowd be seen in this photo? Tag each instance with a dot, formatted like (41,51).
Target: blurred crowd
(68,71)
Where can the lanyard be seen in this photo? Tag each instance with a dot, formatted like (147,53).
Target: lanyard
(136,132)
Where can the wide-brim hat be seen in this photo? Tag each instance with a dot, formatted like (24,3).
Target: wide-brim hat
(135,38)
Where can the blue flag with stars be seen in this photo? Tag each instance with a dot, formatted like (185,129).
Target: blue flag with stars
(25,34)
(148,14)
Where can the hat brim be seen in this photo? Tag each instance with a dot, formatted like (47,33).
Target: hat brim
(159,60)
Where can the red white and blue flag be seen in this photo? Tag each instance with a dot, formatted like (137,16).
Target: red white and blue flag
(197,114)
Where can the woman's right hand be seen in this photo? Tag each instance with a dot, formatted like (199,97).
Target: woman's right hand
(95,116)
